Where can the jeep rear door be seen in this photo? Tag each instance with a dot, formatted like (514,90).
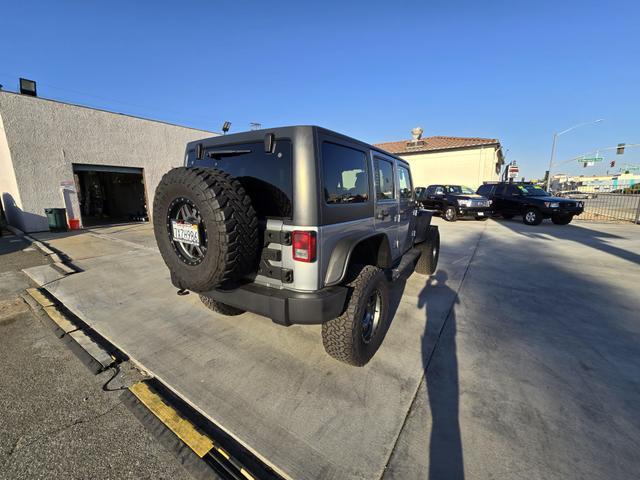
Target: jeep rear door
(386,201)
(406,219)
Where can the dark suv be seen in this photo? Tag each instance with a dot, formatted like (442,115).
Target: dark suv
(530,201)
(453,201)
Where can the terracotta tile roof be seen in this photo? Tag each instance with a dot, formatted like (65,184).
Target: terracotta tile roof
(428,144)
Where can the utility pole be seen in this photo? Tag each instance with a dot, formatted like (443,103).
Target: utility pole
(555,141)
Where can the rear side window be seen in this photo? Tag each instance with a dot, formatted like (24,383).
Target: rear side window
(345,174)
(384,179)
(485,190)
(404,183)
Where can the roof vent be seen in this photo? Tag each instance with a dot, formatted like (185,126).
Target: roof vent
(416,133)
(417,141)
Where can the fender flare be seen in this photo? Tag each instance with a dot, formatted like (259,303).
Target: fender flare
(341,255)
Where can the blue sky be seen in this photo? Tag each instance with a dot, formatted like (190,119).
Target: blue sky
(513,70)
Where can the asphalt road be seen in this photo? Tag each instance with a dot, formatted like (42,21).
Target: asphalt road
(56,420)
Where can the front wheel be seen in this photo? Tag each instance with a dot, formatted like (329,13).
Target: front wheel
(450,214)
(532,217)
(562,219)
(355,336)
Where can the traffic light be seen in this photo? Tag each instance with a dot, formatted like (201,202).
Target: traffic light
(620,149)
(613,163)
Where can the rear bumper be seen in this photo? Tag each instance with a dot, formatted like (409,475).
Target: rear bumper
(285,306)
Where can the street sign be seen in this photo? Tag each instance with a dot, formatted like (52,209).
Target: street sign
(590,160)
(513,171)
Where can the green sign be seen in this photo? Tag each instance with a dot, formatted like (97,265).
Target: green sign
(591,159)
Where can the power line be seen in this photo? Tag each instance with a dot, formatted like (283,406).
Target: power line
(180,115)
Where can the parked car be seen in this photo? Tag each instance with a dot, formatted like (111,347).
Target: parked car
(530,201)
(454,201)
(299,224)
(577,195)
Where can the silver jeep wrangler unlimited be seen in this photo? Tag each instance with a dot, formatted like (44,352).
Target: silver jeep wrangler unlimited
(299,224)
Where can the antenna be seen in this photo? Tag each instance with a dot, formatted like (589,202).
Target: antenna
(255,125)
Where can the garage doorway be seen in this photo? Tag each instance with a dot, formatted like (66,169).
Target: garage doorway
(109,195)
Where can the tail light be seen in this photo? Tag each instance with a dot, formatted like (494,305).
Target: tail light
(304,246)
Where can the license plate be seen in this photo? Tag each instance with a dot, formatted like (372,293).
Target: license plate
(481,214)
(185,233)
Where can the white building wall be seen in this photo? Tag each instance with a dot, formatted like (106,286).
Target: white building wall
(45,138)
(469,166)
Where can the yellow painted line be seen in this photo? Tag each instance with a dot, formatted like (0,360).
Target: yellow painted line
(223,453)
(39,297)
(246,474)
(185,430)
(56,315)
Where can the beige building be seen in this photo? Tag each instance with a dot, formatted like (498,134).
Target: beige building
(449,160)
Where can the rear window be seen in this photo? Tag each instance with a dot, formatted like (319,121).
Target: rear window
(344,174)
(266,177)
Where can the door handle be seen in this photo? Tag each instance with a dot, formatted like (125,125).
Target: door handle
(383,214)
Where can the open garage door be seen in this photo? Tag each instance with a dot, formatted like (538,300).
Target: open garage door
(110,195)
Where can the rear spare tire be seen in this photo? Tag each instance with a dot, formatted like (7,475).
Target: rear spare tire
(217,209)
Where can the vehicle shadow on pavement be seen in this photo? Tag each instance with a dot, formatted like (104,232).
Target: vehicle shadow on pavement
(585,236)
(443,392)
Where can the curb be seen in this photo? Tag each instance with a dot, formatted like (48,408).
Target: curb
(61,262)
(201,446)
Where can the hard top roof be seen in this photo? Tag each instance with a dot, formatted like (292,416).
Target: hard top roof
(288,131)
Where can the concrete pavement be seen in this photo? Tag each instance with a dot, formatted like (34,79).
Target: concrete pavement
(535,374)
(273,388)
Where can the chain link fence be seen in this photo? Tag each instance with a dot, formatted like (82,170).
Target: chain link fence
(607,203)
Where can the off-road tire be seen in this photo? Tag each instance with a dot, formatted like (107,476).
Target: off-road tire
(430,253)
(507,216)
(230,221)
(562,219)
(342,337)
(452,216)
(220,307)
(532,216)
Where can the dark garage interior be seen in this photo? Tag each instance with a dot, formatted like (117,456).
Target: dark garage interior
(110,194)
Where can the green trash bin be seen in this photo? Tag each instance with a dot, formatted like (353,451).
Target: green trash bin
(57,218)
